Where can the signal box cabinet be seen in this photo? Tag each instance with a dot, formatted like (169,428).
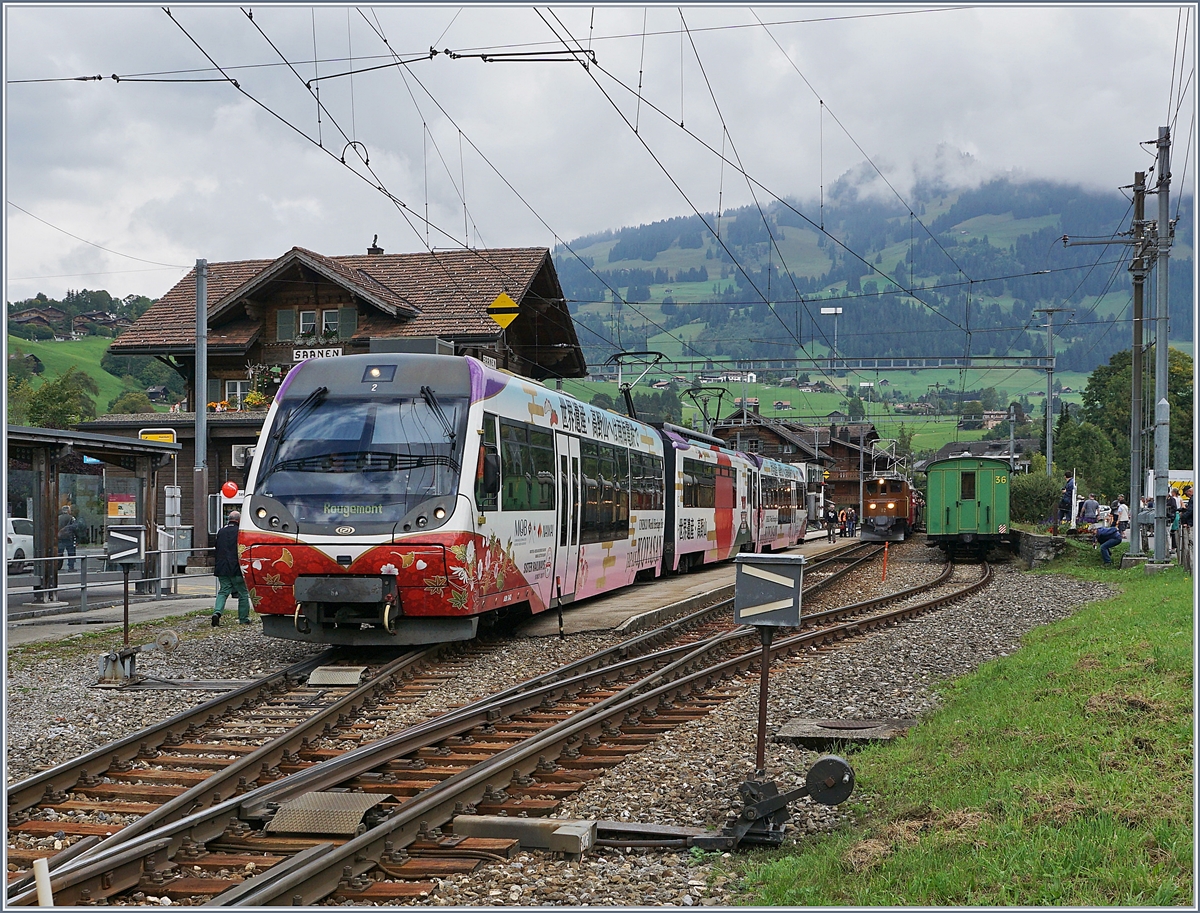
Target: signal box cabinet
(967,495)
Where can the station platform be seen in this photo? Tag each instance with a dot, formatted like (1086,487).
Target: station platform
(645,605)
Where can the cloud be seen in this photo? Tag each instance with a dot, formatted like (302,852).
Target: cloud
(172,171)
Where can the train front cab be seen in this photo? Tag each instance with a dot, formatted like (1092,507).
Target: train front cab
(967,504)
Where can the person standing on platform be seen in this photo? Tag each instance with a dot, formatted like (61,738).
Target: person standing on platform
(67,529)
(852,522)
(1089,512)
(1122,515)
(229,572)
(830,522)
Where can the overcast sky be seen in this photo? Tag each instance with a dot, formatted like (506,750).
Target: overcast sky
(173,163)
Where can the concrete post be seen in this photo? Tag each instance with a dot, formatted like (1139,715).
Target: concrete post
(200,405)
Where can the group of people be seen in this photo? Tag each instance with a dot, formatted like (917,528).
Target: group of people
(843,522)
(1117,529)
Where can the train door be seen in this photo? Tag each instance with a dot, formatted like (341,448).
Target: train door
(566,552)
(968,501)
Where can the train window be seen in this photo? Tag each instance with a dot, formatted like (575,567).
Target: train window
(620,521)
(968,486)
(589,453)
(486,500)
(896,487)
(655,481)
(699,484)
(516,467)
(541,447)
(527,462)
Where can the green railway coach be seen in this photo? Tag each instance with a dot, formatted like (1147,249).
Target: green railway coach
(967,504)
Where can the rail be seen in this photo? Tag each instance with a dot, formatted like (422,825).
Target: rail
(43,594)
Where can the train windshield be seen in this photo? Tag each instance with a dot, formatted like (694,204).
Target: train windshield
(332,459)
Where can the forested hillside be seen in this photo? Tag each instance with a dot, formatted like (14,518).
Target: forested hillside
(963,272)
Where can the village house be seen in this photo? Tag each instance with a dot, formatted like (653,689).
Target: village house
(836,449)
(266,316)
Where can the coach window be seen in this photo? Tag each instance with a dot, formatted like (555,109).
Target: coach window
(485,500)
(590,463)
(541,450)
(968,486)
(620,528)
(656,483)
(608,494)
(517,469)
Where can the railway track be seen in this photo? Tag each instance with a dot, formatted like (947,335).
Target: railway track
(514,753)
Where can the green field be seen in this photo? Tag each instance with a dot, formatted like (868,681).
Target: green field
(83,355)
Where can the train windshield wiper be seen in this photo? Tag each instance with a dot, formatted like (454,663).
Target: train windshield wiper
(364,461)
(309,402)
(436,408)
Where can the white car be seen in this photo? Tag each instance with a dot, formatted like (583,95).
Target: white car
(18,543)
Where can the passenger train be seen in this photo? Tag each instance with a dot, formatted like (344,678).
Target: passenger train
(400,499)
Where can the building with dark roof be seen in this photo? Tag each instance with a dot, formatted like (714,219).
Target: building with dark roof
(275,313)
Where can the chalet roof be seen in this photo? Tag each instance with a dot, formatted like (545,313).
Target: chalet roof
(443,293)
(784,430)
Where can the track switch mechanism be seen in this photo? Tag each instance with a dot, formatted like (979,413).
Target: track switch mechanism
(764,811)
(119,667)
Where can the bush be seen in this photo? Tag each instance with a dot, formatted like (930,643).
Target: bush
(1035,497)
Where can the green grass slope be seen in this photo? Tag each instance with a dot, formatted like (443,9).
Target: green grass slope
(82,354)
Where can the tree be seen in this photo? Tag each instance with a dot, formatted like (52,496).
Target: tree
(1083,448)
(19,393)
(1106,404)
(130,403)
(62,402)
(603,401)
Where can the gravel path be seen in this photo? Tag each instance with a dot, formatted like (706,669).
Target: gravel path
(688,778)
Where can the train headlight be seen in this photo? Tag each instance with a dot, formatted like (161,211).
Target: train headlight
(421,521)
(275,521)
(891,505)
(439,513)
(870,506)
(260,513)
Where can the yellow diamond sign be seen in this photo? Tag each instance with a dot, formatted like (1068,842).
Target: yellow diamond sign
(503,310)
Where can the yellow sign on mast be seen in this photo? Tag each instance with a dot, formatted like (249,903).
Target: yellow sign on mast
(503,310)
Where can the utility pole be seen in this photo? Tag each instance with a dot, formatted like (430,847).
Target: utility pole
(860,472)
(1162,409)
(1050,312)
(1138,269)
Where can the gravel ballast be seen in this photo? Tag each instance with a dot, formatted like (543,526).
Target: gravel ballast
(689,777)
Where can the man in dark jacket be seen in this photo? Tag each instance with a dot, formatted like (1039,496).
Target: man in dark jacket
(229,572)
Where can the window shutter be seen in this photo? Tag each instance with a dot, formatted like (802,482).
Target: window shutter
(347,321)
(214,390)
(285,324)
